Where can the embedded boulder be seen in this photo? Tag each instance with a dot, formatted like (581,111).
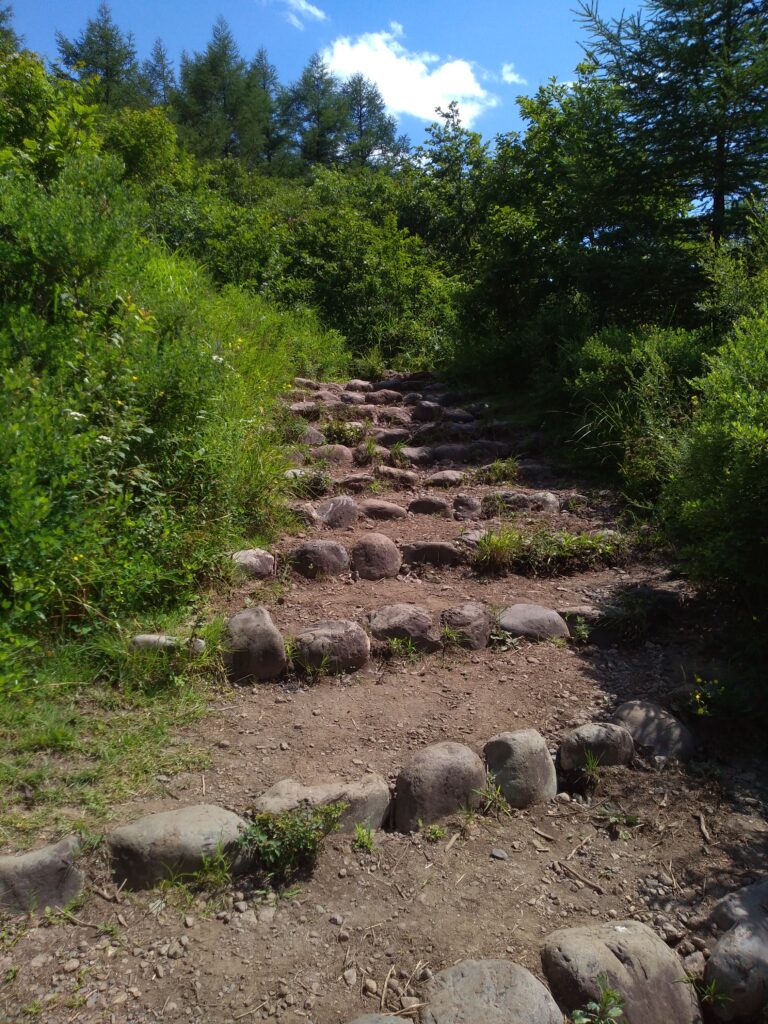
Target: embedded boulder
(376,557)
(610,744)
(173,843)
(319,558)
(255,562)
(368,799)
(405,478)
(43,878)
(750,903)
(431,552)
(515,501)
(429,506)
(332,647)
(488,992)
(738,972)
(358,385)
(338,512)
(372,508)
(445,478)
(466,506)
(533,622)
(470,623)
(632,959)
(653,727)
(439,780)
(521,765)
(404,621)
(337,454)
(254,648)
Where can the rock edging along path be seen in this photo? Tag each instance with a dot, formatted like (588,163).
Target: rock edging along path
(384,578)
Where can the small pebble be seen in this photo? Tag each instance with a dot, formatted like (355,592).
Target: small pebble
(499,854)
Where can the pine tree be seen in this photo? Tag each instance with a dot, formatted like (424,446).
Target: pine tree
(695,79)
(371,136)
(263,123)
(158,75)
(104,51)
(317,114)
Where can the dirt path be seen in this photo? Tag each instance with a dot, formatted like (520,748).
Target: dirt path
(658,843)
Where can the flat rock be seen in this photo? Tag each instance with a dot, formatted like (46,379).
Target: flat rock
(750,903)
(368,798)
(254,648)
(439,780)
(520,763)
(48,877)
(172,843)
(430,506)
(445,478)
(632,959)
(738,969)
(306,383)
(432,552)
(337,454)
(309,410)
(390,436)
(338,512)
(466,506)
(311,436)
(392,414)
(356,482)
(358,385)
(375,509)
(533,621)
(471,621)
(488,992)
(255,562)
(426,412)
(376,557)
(413,398)
(610,744)
(405,478)
(339,646)
(405,621)
(458,415)
(352,398)
(455,453)
(419,455)
(319,558)
(515,501)
(384,396)
(653,727)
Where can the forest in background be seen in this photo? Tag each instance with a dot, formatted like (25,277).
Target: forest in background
(177,243)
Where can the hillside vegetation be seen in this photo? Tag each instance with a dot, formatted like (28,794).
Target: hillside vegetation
(174,248)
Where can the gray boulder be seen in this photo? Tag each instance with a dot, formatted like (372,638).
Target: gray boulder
(738,969)
(255,562)
(533,621)
(311,436)
(445,478)
(426,412)
(428,506)
(515,501)
(405,478)
(338,512)
(439,780)
(390,436)
(466,506)
(432,552)
(44,878)
(610,744)
(375,509)
(254,648)
(488,992)
(405,621)
(632,959)
(749,903)
(416,455)
(376,557)
(337,454)
(332,647)
(368,799)
(384,396)
(358,385)
(520,763)
(319,558)
(472,621)
(356,482)
(653,727)
(172,843)
(372,1018)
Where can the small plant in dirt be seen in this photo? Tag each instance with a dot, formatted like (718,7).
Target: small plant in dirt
(432,833)
(397,456)
(580,630)
(707,993)
(453,637)
(402,647)
(493,803)
(280,847)
(313,670)
(607,1009)
(313,483)
(501,471)
(618,823)
(585,780)
(341,432)
(363,840)
(544,552)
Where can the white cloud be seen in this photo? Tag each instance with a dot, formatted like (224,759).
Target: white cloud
(411,83)
(510,76)
(298,11)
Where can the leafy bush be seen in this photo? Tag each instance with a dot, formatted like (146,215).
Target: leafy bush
(715,506)
(280,846)
(545,553)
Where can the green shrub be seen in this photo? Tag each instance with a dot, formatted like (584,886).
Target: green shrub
(280,846)
(715,507)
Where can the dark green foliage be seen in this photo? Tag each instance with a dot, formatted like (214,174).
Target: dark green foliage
(158,75)
(282,846)
(9,39)
(104,52)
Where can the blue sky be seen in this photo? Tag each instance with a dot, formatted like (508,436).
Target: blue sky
(421,54)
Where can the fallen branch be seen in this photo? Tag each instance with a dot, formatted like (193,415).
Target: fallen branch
(580,878)
(703,827)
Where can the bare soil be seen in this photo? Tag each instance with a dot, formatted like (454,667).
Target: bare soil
(657,842)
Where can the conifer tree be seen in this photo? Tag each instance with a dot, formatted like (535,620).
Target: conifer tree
(317,114)
(103,50)
(158,75)
(371,137)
